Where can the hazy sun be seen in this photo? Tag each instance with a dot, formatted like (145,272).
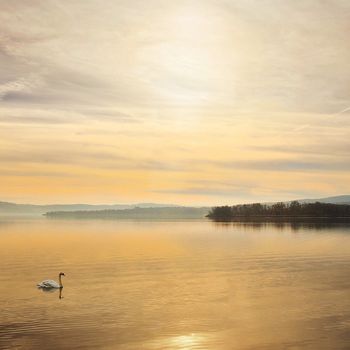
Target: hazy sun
(184,67)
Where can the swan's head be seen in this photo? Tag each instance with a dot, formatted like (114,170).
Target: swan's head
(61,274)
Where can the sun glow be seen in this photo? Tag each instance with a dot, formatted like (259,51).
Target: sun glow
(186,342)
(186,66)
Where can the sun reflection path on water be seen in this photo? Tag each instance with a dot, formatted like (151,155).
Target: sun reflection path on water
(189,341)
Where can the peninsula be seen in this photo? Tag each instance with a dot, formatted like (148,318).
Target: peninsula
(293,211)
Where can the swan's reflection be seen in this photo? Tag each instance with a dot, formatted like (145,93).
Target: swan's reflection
(53,290)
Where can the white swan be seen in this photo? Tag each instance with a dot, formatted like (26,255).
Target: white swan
(48,284)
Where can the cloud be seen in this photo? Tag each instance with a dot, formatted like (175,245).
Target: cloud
(92,159)
(287,165)
(32,173)
(204,191)
(22,85)
(29,120)
(340,150)
(342,111)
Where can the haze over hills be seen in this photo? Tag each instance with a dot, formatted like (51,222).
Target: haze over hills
(342,199)
(7,208)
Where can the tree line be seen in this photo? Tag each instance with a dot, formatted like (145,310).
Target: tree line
(135,213)
(293,209)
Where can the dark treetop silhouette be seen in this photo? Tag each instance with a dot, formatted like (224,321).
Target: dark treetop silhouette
(293,210)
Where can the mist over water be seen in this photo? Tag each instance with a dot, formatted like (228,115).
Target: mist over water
(174,285)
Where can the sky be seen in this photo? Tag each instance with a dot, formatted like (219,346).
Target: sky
(189,102)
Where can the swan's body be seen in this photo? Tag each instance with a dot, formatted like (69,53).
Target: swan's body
(49,284)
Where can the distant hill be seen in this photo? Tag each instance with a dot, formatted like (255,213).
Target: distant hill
(135,213)
(343,199)
(7,208)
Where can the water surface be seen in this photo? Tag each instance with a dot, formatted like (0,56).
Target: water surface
(174,285)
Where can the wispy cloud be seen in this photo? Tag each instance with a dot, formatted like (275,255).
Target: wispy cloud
(22,85)
(342,111)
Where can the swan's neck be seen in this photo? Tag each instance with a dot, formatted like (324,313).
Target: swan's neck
(60,280)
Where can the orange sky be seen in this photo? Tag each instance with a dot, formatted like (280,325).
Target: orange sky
(188,102)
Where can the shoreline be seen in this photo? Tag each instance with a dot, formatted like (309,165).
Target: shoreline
(300,219)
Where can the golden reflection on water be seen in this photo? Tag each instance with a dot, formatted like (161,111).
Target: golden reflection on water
(174,285)
(183,342)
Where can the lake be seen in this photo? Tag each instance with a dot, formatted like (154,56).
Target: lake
(174,285)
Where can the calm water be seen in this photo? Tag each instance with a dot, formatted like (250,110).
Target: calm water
(174,285)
